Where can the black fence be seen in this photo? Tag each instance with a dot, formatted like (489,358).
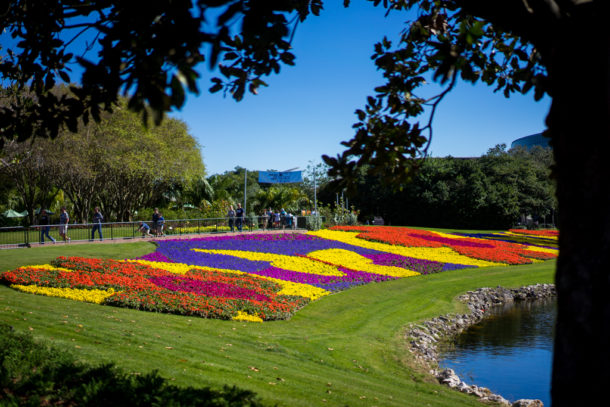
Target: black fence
(20,236)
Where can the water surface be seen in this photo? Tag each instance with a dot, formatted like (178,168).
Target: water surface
(510,352)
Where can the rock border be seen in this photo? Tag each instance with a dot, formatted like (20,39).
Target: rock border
(424,338)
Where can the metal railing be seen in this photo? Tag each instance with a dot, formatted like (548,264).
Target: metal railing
(20,236)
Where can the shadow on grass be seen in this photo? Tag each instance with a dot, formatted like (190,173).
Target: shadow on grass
(35,374)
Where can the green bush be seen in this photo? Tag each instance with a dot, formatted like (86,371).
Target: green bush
(34,374)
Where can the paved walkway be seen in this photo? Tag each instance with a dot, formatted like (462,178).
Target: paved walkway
(164,237)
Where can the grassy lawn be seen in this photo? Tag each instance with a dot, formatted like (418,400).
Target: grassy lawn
(344,349)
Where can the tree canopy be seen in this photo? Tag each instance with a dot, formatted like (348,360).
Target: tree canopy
(148,51)
(495,191)
(116,164)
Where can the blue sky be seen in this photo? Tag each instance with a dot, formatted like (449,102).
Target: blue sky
(308,109)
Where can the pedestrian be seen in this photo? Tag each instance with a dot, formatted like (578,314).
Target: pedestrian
(45,226)
(288,220)
(239,215)
(276,220)
(270,218)
(97,223)
(294,221)
(231,216)
(155,220)
(144,229)
(283,218)
(263,220)
(64,219)
(160,224)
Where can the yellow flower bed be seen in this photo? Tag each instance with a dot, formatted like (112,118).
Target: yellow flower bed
(45,267)
(282,261)
(242,316)
(94,296)
(355,261)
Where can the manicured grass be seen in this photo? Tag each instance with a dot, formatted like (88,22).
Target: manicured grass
(13,258)
(344,349)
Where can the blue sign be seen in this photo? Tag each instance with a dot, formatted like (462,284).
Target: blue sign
(276,177)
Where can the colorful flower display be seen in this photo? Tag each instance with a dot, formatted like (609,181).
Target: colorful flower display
(269,276)
(497,251)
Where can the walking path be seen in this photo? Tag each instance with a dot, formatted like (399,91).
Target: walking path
(166,237)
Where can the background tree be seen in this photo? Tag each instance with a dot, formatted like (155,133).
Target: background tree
(117,164)
(27,166)
(495,191)
(229,187)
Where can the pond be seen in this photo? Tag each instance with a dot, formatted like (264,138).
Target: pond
(510,352)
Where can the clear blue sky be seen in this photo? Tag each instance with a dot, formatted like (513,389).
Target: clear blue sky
(308,109)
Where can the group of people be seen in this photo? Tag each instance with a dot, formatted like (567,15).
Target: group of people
(64,221)
(282,219)
(158,224)
(236,217)
(268,220)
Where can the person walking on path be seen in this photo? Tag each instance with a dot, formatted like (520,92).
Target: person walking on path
(45,226)
(270,219)
(239,213)
(155,220)
(263,220)
(231,216)
(97,223)
(64,219)
(160,225)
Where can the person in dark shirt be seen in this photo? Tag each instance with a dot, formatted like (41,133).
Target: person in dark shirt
(155,220)
(160,225)
(97,223)
(239,217)
(45,227)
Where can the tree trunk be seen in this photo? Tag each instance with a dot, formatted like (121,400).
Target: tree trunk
(579,126)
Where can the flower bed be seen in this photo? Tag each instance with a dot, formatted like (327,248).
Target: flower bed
(255,277)
(489,250)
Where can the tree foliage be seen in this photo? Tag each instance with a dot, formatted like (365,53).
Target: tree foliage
(445,43)
(495,191)
(117,164)
(146,50)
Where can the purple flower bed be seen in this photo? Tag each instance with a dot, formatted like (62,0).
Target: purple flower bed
(349,279)
(155,256)
(287,244)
